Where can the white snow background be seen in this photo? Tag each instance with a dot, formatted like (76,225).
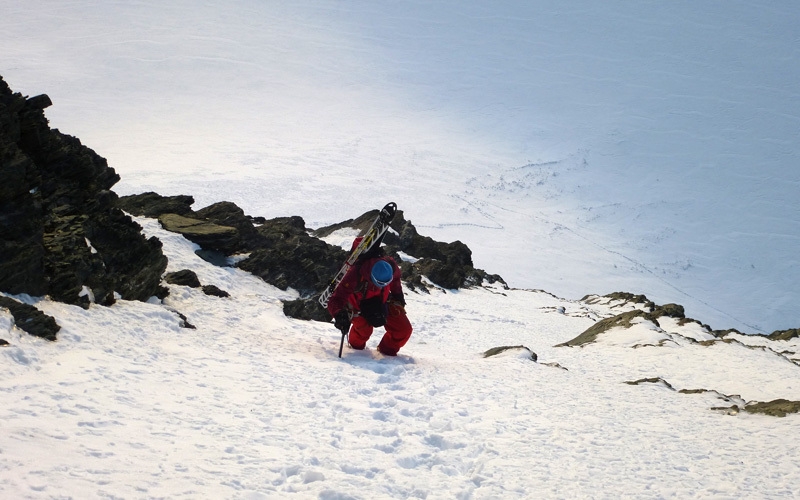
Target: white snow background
(576,147)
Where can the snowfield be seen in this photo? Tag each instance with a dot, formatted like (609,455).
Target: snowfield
(252,404)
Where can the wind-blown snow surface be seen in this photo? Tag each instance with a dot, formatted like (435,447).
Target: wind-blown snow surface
(577,147)
(251,404)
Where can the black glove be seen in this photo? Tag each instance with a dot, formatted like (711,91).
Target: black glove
(342,321)
(396,300)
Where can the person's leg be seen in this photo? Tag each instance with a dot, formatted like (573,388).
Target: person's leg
(398,331)
(360,332)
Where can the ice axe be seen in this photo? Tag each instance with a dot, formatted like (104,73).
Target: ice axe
(344,326)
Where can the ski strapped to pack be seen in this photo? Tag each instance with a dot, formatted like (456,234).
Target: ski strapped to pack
(371,237)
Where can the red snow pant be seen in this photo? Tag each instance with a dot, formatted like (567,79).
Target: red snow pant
(398,331)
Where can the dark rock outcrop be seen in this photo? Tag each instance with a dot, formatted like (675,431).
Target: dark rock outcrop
(284,253)
(30,319)
(60,234)
(208,235)
(775,408)
(223,214)
(670,310)
(651,313)
(308,309)
(184,277)
(187,277)
(291,258)
(622,297)
(624,320)
(184,321)
(229,214)
(651,380)
(154,205)
(784,334)
(281,251)
(214,291)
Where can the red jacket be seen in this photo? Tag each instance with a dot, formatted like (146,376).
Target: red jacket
(357,285)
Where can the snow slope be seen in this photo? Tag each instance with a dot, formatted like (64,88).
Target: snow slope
(251,404)
(579,148)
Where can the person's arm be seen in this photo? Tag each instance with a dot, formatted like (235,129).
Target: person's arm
(346,287)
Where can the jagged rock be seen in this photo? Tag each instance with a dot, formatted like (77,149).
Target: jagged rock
(30,319)
(22,248)
(652,380)
(291,258)
(670,310)
(441,273)
(784,334)
(206,234)
(187,277)
(4,342)
(653,311)
(229,214)
(281,251)
(361,223)
(684,321)
(21,213)
(724,333)
(111,250)
(137,268)
(224,213)
(775,408)
(732,410)
(215,291)
(153,205)
(60,233)
(184,277)
(184,322)
(624,320)
(624,297)
(308,309)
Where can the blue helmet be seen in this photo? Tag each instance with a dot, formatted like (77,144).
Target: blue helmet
(381,273)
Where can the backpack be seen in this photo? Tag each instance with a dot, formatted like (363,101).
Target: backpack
(374,310)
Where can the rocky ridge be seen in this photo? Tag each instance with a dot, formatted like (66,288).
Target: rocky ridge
(287,254)
(635,322)
(60,233)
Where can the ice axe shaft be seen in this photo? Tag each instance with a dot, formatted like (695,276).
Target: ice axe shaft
(341,345)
